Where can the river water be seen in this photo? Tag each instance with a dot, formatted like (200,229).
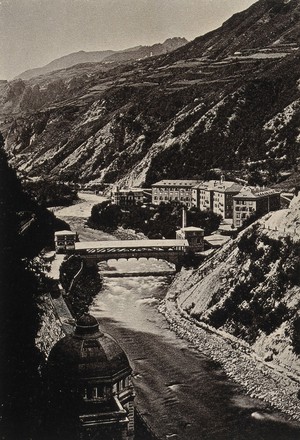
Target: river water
(181,393)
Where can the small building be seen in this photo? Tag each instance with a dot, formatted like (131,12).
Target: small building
(215,241)
(64,241)
(90,392)
(173,190)
(252,200)
(194,236)
(127,196)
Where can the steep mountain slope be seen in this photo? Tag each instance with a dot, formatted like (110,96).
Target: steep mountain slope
(251,288)
(268,26)
(229,99)
(83,57)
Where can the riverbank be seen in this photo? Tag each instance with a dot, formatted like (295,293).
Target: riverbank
(240,363)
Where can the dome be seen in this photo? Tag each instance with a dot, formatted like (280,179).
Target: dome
(87,355)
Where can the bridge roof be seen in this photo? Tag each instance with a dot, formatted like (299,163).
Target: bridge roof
(81,245)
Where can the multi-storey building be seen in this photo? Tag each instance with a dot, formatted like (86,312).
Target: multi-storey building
(203,195)
(173,190)
(250,200)
(216,196)
(223,193)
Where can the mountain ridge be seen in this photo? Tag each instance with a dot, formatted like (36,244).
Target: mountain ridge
(82,57)
(169,116)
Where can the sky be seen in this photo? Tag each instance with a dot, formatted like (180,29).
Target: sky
(35,32)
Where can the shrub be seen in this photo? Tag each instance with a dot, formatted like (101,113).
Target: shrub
(218,317)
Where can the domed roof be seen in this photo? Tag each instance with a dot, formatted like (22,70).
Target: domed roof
(87,355)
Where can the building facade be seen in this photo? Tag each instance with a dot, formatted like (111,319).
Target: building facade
(254,200)
(230,200)
(222,195)
(180,191)
(65,241)
(127,197)
(216,196)
(194,235)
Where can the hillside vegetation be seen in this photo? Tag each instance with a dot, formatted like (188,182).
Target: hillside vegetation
(251,288)
(229,99)
(25,229)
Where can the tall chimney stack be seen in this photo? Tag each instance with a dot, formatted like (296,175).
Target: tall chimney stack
(183,217)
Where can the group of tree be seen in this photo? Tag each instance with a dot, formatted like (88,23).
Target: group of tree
(50,193)
(25,228)
(155,221)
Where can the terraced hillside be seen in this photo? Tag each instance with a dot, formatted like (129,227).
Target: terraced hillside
(229,100)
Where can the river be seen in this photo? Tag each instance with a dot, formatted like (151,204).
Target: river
(181,393)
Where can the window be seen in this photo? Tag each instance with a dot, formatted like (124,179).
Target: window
(95,393)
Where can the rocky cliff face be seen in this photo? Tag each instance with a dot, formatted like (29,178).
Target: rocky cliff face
(229,99)
(251,288)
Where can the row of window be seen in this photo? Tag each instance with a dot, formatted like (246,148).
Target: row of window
(171,189)
(101,391)
(182,199)
(244,202)
(244,208)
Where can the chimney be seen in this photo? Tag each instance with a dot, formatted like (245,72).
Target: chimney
(183,217)
(222,178)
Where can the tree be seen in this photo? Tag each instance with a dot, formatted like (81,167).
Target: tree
(19,321)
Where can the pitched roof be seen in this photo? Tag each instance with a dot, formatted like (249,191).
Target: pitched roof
(255,192)
(179,182)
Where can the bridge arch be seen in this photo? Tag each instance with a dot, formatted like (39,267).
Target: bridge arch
(172,251)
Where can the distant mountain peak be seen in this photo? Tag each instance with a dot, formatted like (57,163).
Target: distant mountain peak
(83,56)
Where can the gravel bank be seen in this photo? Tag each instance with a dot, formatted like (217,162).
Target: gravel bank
(240,363)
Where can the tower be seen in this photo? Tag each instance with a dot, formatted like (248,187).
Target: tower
(89,382)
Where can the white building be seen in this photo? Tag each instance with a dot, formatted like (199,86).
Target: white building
(173,190)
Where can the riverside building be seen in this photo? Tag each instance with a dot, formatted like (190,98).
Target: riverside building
(254,200)
(193,234)
(173,190)
(127,197)
(216,196)
(89,384)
